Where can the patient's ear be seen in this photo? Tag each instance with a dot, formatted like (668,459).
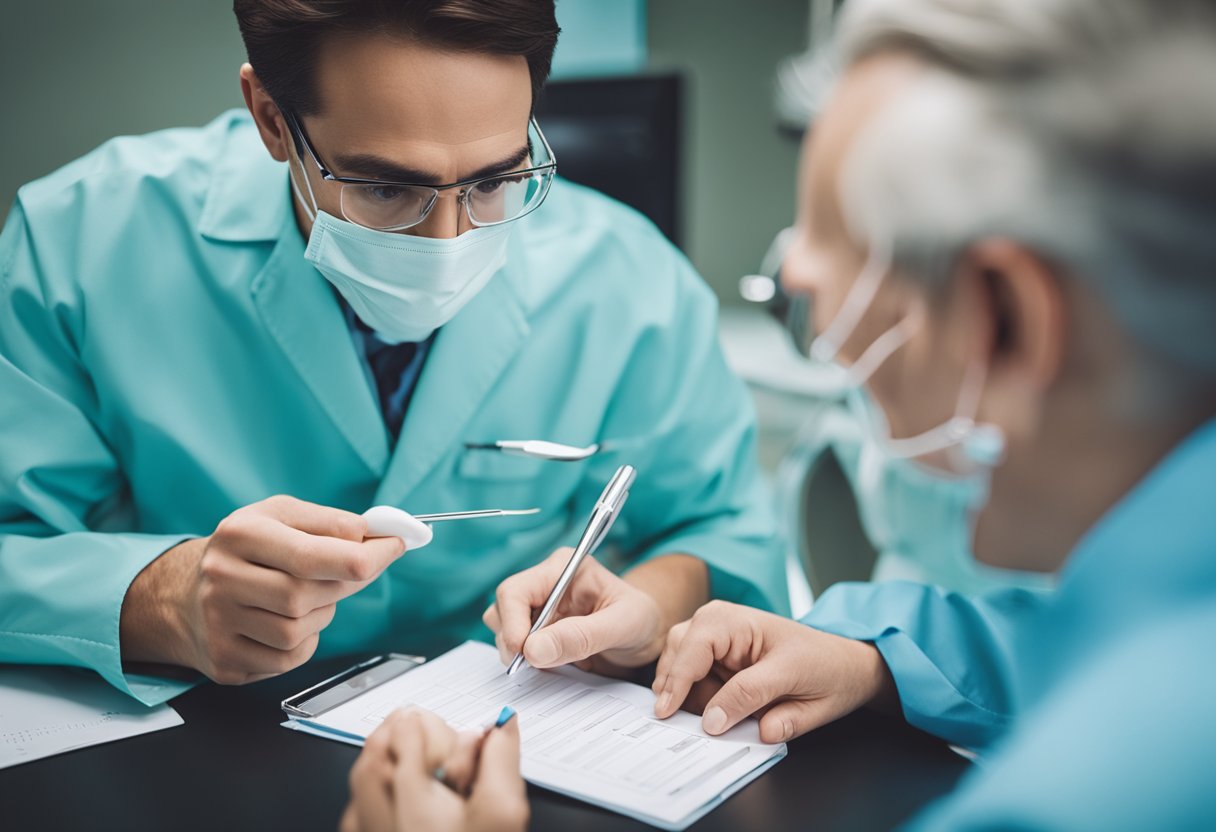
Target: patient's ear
(271,125)
(1019,314)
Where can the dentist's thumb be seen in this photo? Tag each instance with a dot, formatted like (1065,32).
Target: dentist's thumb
(574,639)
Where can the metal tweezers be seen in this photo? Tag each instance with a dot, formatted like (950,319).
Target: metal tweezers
(473,515)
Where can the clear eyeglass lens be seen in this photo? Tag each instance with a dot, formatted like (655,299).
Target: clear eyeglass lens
(506,197)
(492,201)
(385,206)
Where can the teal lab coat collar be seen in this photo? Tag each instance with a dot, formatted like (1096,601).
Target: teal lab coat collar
(248,193)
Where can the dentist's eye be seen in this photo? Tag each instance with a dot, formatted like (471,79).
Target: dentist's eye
(488,187)
(385,193)
(493,186)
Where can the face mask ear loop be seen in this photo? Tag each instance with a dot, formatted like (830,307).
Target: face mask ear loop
(860,371)
(957,430)
(969,395)
(856,302)
(983,444)
(311,212)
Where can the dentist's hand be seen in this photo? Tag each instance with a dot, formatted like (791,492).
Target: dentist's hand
(250,600)
(394,788)
(603,623)
(730,662)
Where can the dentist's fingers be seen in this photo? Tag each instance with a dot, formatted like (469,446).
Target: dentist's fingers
(280,632)
(492,620)
(520,595)
(504,655)
(580,637)
(314,557)
(314,519)
(254,585)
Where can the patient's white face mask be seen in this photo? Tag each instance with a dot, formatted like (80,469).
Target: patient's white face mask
(972,449)
(403,287)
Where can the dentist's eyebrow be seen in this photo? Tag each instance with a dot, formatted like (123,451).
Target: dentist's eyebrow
(365,166)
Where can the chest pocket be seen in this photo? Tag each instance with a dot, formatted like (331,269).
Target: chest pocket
(490,479)
(495,466)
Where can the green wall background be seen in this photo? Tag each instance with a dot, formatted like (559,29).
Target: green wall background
(77,72)
(739,173)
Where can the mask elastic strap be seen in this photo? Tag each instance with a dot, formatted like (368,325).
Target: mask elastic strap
(311,212)
(827,346)
(861,370)
(954,432)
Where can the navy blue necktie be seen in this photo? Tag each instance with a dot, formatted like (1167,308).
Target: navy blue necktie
(388,363)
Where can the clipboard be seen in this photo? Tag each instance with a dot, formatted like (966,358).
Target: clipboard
(350,683)
(590,737)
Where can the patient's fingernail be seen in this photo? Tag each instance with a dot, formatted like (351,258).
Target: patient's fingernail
(714,721)
(661,706)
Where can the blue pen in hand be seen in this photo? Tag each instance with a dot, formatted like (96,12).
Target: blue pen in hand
(504,716)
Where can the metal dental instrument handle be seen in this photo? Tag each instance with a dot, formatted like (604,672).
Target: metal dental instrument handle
(606,510)
(474,515)
(537,449)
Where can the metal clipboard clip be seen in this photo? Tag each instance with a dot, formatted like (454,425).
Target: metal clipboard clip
(349,684)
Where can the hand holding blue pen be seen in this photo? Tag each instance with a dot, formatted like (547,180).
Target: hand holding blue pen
(478,773)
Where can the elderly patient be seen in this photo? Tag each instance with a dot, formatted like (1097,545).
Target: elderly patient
(1008,224)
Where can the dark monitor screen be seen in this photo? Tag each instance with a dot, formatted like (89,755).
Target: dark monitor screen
(620,136)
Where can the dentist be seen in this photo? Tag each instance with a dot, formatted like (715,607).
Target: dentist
(219,346)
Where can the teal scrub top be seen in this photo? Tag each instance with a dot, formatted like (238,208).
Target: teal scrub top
(168,356)
(1092,705)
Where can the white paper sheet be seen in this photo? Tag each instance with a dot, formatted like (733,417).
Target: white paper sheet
(583,735)
(50,710)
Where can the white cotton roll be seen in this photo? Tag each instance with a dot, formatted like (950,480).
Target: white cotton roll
(389,521)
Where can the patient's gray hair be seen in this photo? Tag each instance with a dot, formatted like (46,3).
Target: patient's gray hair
(1085,129)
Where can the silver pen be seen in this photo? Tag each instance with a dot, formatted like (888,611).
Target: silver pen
(607,509)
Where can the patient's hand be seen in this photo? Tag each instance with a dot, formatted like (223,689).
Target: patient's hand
(394,785)
(602,623)
(729,662)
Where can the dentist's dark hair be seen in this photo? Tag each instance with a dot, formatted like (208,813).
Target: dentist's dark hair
(283,37)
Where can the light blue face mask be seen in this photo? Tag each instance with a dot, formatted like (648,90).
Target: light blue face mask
(403,287)
(919,519)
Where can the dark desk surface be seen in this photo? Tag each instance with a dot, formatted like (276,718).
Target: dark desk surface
(232,767)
